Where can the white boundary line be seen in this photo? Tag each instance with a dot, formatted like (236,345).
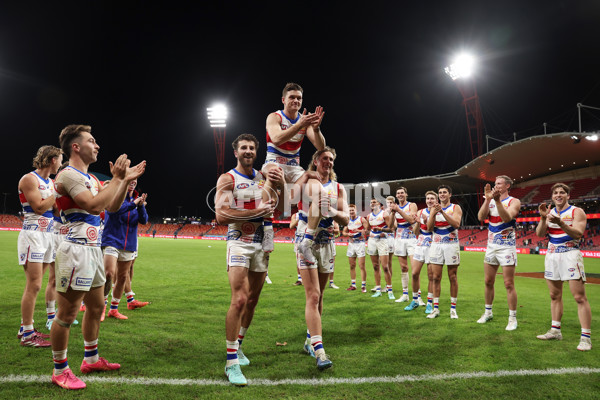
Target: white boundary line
(314,381)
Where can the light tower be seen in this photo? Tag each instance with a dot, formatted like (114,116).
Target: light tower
(217,116)
(461,72)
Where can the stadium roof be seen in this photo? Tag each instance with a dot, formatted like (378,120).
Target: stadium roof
(535,157)
(523,160)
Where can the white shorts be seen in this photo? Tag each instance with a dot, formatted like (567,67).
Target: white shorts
(119,254)
(35,247)
(378,247)
(565,266)
(57,239)
(324,255)
(390,244)
(404,247)
(247,255)
(78,267)
(291,172)
(356,249)
(422,254)
(444,253)
(500,255)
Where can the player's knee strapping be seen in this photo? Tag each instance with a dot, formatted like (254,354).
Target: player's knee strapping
(62,323)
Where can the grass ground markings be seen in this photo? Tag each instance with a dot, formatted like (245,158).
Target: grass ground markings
(181,334)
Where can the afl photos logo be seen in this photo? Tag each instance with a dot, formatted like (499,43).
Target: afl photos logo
(92,233)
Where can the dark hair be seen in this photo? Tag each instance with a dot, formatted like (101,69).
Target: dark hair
(291,86)
(245,136)
(44,156)
(69,134)
(402,188)
(445,187)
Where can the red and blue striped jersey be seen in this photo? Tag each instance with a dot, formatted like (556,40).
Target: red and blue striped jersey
(425,236)
(356,229)
(403,228)
(501,233)
(287,153)
(560,241)
(247,194)
(31,220)
(377,221)
(443,232)
(83,228)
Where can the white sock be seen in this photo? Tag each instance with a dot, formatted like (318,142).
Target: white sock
(232,348)
(60,361)
(317,344)
(405,282)
(91,351)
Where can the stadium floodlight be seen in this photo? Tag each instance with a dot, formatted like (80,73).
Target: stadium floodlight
(462,67)
(217,116)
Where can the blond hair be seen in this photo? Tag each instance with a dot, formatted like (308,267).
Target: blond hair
(313,167)
(44,156)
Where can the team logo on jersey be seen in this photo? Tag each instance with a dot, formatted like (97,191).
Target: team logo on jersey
(43,223)
(64,230)
(248,228)
(281,160)
(64,281)
(571,269)
(233,235)
(92,233)
(87,185)
(242,186)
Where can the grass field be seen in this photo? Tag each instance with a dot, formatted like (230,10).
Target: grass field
(377,348)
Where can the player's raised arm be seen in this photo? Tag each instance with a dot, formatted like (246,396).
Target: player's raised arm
(279,136)
(455,219)
(485,207)
(313,132)
(542,226)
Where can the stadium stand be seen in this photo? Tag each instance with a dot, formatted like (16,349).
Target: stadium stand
(285,233)
(10,221)
(218,230)
(193,230)
(580,189)
(166,229)
(144,228)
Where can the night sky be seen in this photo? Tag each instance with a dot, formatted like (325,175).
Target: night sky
(142,74)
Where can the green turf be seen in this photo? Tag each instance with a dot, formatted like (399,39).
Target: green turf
(181,334)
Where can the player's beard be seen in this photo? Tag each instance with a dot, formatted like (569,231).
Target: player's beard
(247,161)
